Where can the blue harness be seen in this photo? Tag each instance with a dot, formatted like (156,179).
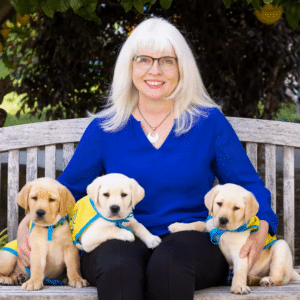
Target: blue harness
(50,228)
(55,282)
(119,222)
(216,233)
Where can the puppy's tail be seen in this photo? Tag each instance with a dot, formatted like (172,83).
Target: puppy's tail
(295,275)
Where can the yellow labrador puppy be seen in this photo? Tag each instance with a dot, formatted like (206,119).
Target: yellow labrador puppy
(233,210)
(52,248)
(106,213)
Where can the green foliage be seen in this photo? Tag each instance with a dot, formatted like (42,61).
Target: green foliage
(12,104)
(65,64)
(4,71)
(165,4)
(287,113)
(290,7)
(83,8)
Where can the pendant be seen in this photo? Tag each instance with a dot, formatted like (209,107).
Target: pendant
(153,137)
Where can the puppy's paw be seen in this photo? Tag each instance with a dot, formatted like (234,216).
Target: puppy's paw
(77,282)
(176,227)
(240,289)
(266,281)
(269,281)
(125,235)
(6,281)
(32,285)
(20,278)
(152,241)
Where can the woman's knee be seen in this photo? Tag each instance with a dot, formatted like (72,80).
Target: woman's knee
(186,256)
(115,259)
(175,251)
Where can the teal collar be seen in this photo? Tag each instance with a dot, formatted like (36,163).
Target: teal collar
(50,228)
(119,222)
(216,233)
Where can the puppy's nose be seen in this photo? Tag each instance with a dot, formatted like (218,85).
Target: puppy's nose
(115,208)
(40,213)
(223,221)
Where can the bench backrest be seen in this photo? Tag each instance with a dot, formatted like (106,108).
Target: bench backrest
(67,132)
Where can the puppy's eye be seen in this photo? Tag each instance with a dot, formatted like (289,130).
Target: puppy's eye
(51,200)
(236,208)
(34,198)
(219,203)
(106,195)
(123,195)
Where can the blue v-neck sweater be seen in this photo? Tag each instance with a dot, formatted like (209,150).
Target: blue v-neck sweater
(176,176)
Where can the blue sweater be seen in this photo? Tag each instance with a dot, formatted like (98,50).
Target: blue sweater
(176,176)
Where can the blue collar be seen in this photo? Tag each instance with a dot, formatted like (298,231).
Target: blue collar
(117,222)
(216,233)
(50,228)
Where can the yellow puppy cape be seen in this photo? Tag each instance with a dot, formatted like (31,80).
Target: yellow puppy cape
(81,216)
(11,247)
(252,226)
(84,213)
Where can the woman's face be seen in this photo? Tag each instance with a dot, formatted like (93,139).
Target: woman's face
(154,83)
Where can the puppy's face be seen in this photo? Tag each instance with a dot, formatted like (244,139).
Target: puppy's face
(115,195)
(44,205)
(46,200)
(231,206)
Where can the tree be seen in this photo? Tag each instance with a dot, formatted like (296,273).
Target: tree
(63,62)
(67,64)
(290,7)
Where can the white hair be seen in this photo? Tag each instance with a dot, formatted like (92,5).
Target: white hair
(190,94)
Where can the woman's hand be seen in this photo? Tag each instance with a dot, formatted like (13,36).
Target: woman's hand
(23,241)
(255,244)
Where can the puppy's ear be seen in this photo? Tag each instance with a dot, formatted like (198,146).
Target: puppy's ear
(23,197)
(137,192)
(210,198)
(93,189)
(67,200)
(251,207)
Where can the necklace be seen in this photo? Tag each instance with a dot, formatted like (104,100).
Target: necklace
(153,136)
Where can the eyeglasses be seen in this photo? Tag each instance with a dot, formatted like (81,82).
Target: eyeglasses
(166,63)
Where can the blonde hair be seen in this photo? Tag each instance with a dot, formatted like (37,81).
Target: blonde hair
(190,94)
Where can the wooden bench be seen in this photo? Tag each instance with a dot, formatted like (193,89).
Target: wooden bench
(66,133)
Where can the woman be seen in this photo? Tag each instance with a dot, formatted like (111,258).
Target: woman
(162,129)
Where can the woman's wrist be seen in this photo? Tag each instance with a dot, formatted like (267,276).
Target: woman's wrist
(263,228)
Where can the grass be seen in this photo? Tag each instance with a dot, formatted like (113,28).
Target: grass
(11,103)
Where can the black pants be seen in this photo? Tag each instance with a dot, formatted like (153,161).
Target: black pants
(182,263)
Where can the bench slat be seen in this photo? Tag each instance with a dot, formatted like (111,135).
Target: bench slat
(68,131)
(12,191)
(266,131)
(48,293)
(68,151)
(50,159)
(251,149)
(289,196)
(31,165)
(0,178)
(270,172)
(42,134)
